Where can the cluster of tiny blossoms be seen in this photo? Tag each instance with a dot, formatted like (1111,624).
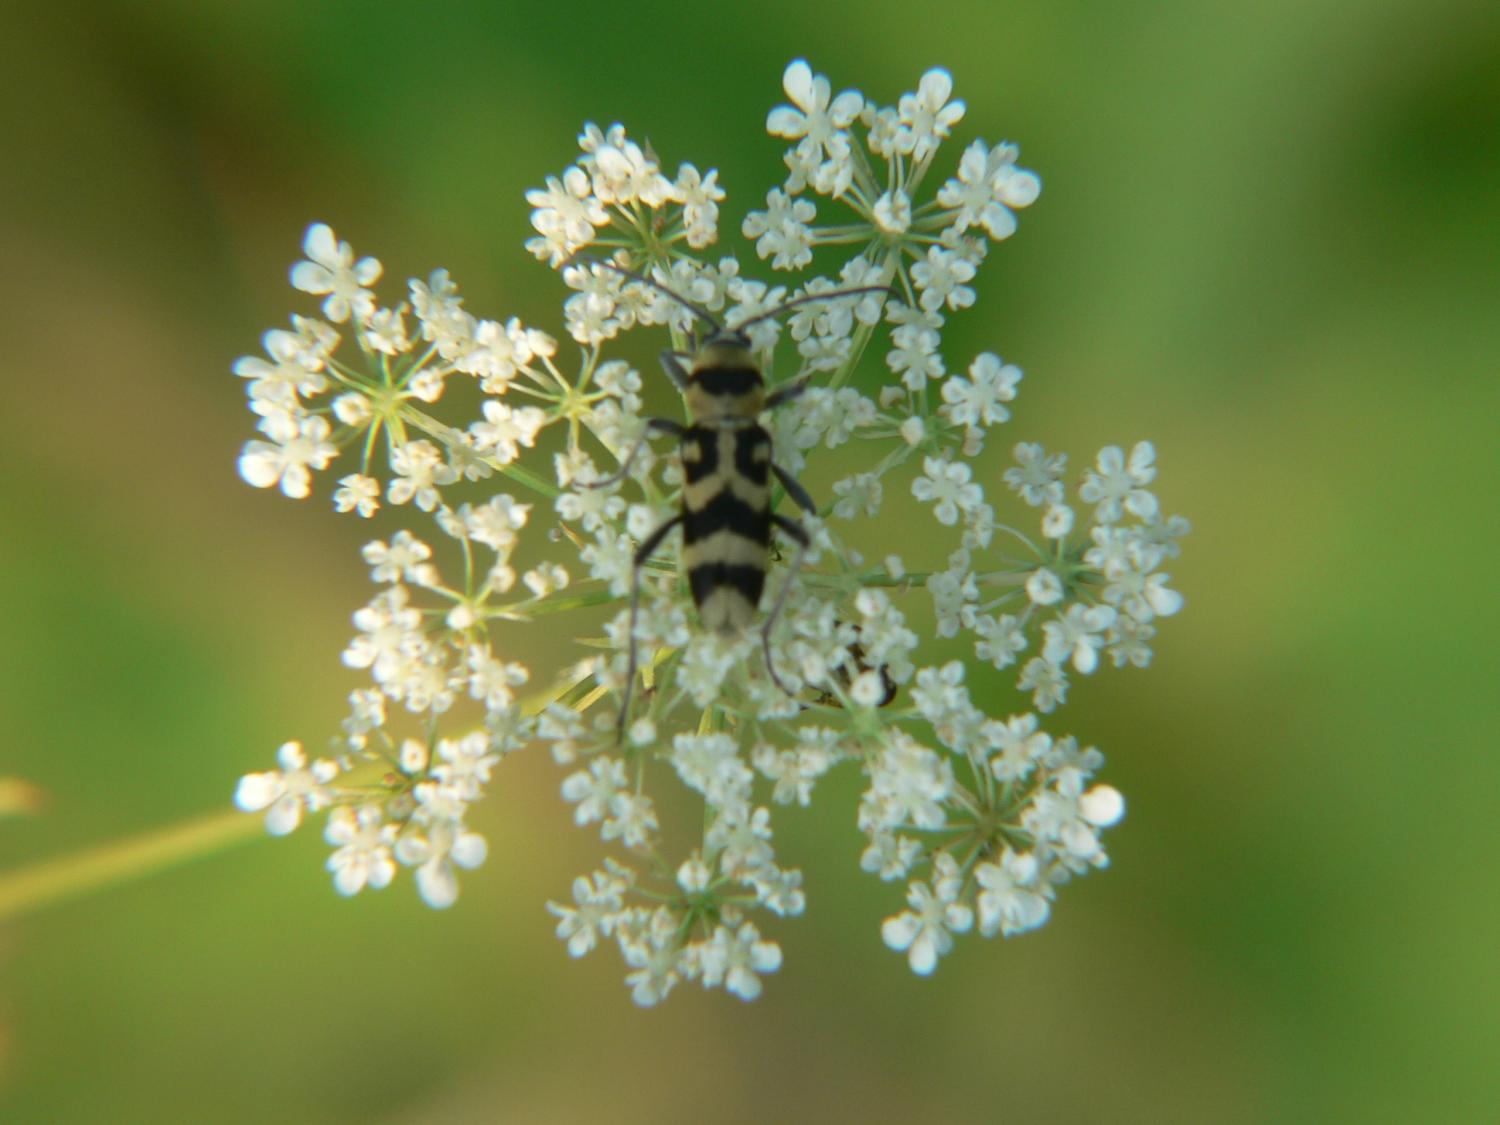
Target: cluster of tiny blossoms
(982,816)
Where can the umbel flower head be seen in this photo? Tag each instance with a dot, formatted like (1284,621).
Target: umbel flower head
(540,508)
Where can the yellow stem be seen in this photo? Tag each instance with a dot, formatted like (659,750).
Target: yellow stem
(57,880)
(42,884)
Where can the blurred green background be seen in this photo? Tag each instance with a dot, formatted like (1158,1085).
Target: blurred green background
(1269,241)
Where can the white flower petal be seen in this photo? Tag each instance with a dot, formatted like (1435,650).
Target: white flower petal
(319,244)
(437,884)
(310,277)
(1102,805)
(284,816)
(260,465)
(923,957)
(784,121)
(798,84)
(469,850)
(899,932)
(257,790)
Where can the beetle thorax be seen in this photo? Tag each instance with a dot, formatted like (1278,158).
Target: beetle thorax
(725,383)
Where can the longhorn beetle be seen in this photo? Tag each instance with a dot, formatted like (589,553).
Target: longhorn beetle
(726,516)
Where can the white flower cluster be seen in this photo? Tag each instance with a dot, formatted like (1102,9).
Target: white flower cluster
(985,815)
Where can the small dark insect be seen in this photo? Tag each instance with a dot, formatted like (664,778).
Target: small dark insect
(888,686)
(726,516)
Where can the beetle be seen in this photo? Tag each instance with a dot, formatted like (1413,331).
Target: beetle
(727,463)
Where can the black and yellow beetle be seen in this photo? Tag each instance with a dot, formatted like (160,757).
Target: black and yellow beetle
(727,464)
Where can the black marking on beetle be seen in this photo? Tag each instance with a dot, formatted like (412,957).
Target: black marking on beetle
(700,453)
(733,381)
(747,581)
(752,454)
(725,512)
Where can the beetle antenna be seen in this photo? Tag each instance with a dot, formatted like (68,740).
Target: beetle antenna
(692,307)
(808,298)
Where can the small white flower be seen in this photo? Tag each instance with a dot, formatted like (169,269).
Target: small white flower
(1046,682)
(497,523)
(1019,746)
(1038,475)
(925,932)
(649,946)
(566,216)
(1011,901)
(291,462)
(1044,587)
(949,485)
(297,372)
(1002,639)
(599,901)
(707,664)
(495,354)
(781,231)
(364,840)
(331,269)
(795,771)
(890,856)
(908,785)
(988,187)
(632,820)
(1117,485)
(386,332)
(506,429)
(1130,642)
(892,212)
(1142,596)
(869,689)
(1162,534)
(464,764)
(389,635)
(420,472)
(1078,635)
(545,579)
(942,279)
(978,400)
(287,792)
(1070,821)
(564,729)
(357,493)
(858,494)
(710,764)
(623,174)
(814,114)
(914,356)
(953,590)
(700,196)
(445,846)
(779,891)
(694,875)
(925,117)
(1057,521)
(353,409)
(734,958)
(439,308)
(404,559)
(595,790)
(413,757)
